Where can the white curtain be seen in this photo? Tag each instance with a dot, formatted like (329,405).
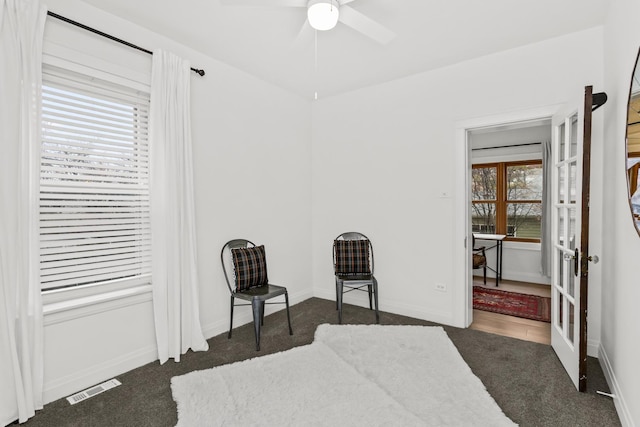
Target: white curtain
(547,205)
(174,271)
(21,330)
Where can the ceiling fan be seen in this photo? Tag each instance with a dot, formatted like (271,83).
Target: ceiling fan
(325,14)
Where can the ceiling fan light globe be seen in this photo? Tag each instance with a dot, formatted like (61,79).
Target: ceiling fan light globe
(323,15)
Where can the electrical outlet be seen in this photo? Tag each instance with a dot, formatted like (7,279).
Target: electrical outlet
(441,287)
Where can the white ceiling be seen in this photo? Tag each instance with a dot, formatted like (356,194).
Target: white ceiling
(265,41)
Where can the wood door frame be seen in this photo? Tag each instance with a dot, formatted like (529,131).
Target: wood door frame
(584,236)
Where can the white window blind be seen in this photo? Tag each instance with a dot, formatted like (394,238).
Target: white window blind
(94,188)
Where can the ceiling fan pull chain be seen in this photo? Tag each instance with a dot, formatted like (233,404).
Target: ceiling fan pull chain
(315,65)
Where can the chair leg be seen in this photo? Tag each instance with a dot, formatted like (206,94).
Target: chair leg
(339,286)
(336,293)
(485,274)
(375,296)
(262,314)
(370,306)
(231,318)
(257,307)
(286,300)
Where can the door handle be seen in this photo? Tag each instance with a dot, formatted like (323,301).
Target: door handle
(585,263)
(574,257)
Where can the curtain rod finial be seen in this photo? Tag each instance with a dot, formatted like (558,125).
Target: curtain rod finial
(199,72)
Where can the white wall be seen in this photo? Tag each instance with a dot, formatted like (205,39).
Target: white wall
(620,291)
(251,146)
(385,163)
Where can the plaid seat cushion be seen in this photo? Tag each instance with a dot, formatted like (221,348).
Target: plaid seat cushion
(478,261)
(250,265)
(352,257)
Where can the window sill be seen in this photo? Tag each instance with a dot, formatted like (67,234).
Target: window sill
(51,296)
(63,311)
(525,246)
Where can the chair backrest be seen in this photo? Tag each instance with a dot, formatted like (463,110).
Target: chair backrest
(354,235)
(227,260)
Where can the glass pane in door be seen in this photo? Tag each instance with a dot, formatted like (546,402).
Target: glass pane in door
(571,280)
(561,184)
(559,319)
(574,136)
(572,182)
(560,227)
(561,262)
(561,140)
(572,228)
(570,334)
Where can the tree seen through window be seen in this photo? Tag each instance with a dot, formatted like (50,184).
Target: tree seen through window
(507,199)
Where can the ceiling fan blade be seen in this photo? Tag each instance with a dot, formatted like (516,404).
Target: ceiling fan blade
(265,3)
(305,34)
(304,37)
(365,25)
(342,2)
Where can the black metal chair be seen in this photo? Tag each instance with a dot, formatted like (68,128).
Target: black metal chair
(353,267)
(247,263)
(479,258)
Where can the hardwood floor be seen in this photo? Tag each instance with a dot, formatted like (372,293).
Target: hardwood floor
(510,326)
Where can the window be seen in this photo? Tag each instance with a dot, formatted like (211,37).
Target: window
(507,199)
(94,185)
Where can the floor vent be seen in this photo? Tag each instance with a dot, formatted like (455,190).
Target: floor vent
(92,391)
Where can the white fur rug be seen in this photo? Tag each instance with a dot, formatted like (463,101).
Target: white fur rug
(351,375)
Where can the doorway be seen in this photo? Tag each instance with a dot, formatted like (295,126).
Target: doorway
(506,200)
(504,164)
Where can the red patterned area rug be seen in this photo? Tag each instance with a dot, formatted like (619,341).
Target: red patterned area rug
(514,304)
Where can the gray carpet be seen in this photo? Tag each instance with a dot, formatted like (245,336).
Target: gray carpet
(526,379)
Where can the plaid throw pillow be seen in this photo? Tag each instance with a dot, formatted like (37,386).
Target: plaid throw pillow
(478,260)
(250,265)
(352,257)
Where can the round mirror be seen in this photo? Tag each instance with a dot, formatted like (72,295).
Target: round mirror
(633,145)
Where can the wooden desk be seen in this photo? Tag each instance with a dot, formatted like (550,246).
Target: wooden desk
(498,238)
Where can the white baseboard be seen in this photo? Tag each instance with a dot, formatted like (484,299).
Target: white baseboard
(80,380)
(618,400)
(360,299)
(526,277)
(216,328)
(516,276)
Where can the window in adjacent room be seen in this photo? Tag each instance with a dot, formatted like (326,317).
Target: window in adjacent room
(507,199)
(94,192)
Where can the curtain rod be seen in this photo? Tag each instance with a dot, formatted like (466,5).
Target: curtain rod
(110,37)
(507,146)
